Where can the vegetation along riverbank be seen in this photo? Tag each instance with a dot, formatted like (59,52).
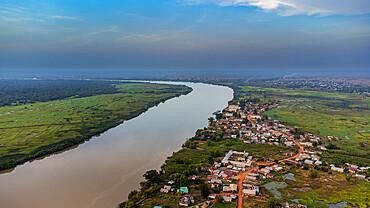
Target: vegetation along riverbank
(37,120)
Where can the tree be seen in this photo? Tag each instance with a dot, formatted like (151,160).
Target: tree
(190,144)
(209,142)
(346,169)
(209,159)
(305,167)
(219,116)
(152,176)
(132,194)
(211,120)
(216,190)
(273,202)
(219,198)
(314,174)
(204,190)
(181,180)
(332,146)
(131,204)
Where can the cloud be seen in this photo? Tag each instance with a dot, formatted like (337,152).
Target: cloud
(298,7)
(67,18)
(151,37)
(134,15)
(110,29)
(14,19)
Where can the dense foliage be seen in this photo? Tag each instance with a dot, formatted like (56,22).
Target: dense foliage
(18,92)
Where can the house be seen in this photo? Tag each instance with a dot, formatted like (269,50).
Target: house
(228,114)
(192,177)
(315,157)
(352,170)
(360,176)
(165,189)
(321,147)
(233,108)
(309,162)
(184,189)
(352,165)
(278,168)
(270,175)
(318,162)
(212,196)
(265,170)
(215,181)
(337,169)
(227,199)
(250,177)
(287,143)
(227,156)
(186,200)
(232,187)
(229,174)
(306,144)
(250,191)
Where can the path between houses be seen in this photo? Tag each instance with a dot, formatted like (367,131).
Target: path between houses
(240,186)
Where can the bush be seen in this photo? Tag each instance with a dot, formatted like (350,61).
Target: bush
(273,203)
(314,174)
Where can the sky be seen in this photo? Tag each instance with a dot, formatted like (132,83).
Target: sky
(185,35)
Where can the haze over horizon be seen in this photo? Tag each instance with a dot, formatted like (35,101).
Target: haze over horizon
(293,35)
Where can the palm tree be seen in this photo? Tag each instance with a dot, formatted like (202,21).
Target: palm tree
(211,120)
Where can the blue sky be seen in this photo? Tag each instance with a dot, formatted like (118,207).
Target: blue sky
(185,34)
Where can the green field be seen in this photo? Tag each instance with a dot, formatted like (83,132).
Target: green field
(328,188)
(224,205)
(32,130)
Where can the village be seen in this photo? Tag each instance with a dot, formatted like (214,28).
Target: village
(239,175)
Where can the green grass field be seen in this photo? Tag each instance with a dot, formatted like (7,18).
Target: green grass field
(224,205)
(329,188)
(26,129)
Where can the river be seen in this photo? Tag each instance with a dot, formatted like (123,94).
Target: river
(102,171)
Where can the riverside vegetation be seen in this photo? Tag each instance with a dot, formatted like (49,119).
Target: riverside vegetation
(40,117)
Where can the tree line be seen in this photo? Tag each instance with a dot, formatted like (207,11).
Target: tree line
(18,92)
